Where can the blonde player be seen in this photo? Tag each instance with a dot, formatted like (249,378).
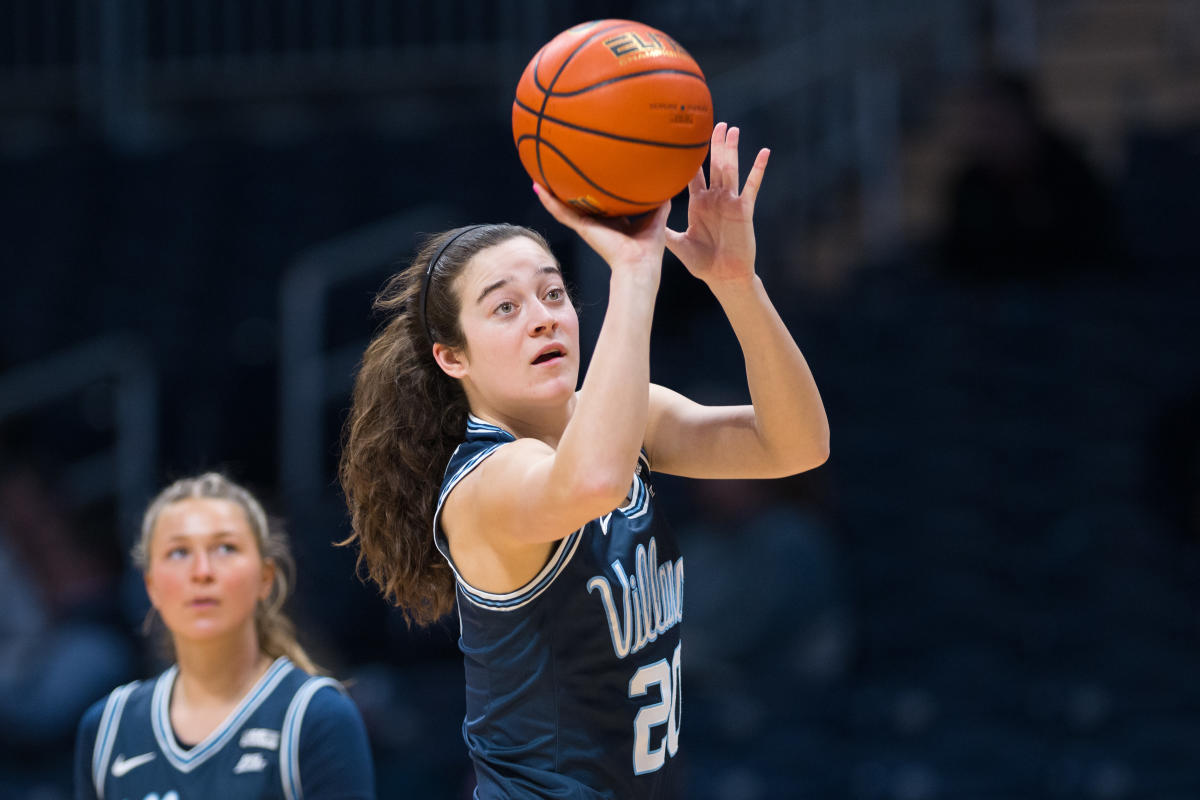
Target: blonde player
(241,713)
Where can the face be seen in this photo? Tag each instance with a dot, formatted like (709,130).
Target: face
(522,333)
(206,575)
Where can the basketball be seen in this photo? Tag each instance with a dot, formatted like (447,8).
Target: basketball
(613,117)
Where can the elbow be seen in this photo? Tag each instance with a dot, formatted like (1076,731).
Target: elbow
(602,490)
(603,493)
(820,451)
(591,486)
(821,448)
(807,457)
(821,455)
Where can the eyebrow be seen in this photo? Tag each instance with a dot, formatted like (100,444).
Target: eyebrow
(183,537)
(491,287)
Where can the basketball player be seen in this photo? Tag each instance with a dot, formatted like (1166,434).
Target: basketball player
(569,585)
(240,714)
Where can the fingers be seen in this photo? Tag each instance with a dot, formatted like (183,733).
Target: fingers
(754,179)
(572,218)
(677,243)
(558,209)
(719,158)
(650,221)
(723,167)
(729,174)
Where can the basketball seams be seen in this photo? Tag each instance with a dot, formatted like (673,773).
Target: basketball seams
(546,91)
(609,135)
(583,115)
(590,182)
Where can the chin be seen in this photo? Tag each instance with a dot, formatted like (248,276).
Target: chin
(198,633)
(199,630)
(559,391)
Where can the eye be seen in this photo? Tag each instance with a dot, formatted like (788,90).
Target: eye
(177,552)
(225,548)
(507,307)
(556,294)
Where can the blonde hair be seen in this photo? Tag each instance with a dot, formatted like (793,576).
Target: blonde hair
(276,632)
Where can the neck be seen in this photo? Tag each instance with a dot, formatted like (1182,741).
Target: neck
(219,670)
(544,424)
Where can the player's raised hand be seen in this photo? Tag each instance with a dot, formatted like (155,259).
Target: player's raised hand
(718,244)
(618,240)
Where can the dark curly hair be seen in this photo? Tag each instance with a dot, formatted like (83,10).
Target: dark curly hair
(406,419)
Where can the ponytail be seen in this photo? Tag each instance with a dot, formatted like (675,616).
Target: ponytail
(406,418)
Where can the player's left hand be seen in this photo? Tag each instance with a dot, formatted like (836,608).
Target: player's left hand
(718,244)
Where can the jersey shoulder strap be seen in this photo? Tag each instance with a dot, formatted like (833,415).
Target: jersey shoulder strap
(289,740)
(106,734)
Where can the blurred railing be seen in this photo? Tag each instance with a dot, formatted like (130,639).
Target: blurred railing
(829,84)
(121,469)
(315,373)
(122,64)
(833,81)
(833,85)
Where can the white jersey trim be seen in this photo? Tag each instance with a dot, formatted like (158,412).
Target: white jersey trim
(511,601)
(507,601)
(160,716)
(106,734)
(289,741)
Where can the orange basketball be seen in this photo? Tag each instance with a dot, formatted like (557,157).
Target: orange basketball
(613,117)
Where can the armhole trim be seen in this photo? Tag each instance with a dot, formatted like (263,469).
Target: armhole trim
(289,742)
(526,594)
(106,734)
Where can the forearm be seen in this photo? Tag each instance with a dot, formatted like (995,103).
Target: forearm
(605,433)
(789,416)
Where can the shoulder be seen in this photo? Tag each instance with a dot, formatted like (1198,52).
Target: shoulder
(668,411)
(664,400)
(482,439)
(89,723)
(85,747)
(329,700)
(325,748)
(321,713)
(489,466)
(95,736)
(110,706)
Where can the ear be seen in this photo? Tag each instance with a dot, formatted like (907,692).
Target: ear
(150,590)
(268,579)
(453,362)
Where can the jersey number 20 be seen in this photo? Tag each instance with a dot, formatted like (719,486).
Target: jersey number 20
(668,710)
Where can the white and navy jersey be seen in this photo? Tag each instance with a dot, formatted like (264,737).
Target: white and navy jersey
(573,680)
(293,736)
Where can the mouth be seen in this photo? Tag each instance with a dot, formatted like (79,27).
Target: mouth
(548,355)
(203,602)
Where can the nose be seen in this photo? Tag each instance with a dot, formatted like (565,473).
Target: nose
(541,319)
(202,571)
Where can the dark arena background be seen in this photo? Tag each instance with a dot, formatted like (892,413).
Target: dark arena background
(980,221)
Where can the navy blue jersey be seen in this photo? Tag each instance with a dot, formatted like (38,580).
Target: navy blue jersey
(293,736)
(573,686)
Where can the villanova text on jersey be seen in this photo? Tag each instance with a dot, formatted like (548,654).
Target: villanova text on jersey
(573,680)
